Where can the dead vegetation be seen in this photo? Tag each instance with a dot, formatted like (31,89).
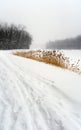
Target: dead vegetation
(54,57)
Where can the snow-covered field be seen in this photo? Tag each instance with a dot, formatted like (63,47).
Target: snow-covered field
(37,96)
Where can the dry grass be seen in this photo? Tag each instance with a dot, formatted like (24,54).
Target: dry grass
(55,57)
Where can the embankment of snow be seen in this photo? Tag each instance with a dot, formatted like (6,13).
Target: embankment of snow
(38,96)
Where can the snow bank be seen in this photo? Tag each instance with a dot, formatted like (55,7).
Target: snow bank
(37,96)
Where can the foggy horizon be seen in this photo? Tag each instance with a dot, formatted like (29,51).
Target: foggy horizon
(45,20)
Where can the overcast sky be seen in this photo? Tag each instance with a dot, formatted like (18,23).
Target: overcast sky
(45,19)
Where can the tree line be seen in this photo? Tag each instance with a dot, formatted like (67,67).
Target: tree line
(69,43)
(14,37)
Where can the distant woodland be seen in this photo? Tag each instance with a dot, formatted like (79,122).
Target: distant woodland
(70,43)
(14,37)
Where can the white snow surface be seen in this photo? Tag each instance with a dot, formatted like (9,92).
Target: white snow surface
(74,56)
(37,96)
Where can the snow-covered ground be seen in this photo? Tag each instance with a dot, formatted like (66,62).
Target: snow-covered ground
(74,56)
(37,96)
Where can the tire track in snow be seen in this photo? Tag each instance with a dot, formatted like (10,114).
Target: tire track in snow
(30,101)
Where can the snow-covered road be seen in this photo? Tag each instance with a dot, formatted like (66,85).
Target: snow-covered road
(37,96)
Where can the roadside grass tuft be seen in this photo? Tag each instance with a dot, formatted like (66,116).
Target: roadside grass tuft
(53,57)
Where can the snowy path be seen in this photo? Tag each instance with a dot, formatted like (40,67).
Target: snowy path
(36,96)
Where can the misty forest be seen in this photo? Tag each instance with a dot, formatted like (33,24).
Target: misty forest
(14,37)
(17,37)
(69,43)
